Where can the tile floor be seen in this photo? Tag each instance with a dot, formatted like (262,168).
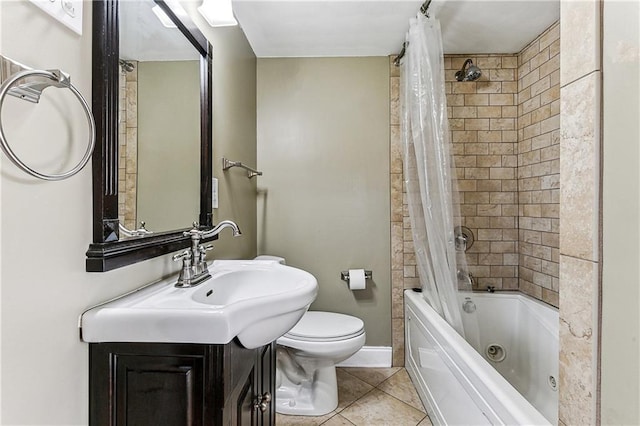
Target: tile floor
(369,397)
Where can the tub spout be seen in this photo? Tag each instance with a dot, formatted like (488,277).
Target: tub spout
(466,278)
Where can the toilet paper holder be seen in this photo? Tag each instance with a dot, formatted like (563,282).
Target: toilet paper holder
(344,275)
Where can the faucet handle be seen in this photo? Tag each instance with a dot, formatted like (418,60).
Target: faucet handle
(186,274)
(186,255)
(204,249)
(202,263)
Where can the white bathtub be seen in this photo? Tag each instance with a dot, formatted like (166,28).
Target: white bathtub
(459,386)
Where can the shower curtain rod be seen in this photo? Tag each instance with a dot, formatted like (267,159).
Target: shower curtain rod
(424,10)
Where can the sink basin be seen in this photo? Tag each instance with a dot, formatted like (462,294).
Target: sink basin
(256,301)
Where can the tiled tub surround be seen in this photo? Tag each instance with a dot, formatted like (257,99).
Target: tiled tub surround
(505,134)
(483,121)
(580,250)
(539,166)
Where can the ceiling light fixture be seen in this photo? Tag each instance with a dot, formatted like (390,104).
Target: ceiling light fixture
(163,17)
(218,13)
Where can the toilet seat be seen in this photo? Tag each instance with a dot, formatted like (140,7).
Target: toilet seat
(317,326)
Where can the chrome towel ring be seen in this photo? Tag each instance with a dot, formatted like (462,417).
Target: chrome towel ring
(31,91)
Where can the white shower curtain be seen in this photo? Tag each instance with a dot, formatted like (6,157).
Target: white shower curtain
(428,169)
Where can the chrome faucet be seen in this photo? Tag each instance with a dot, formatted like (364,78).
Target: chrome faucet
(194,265)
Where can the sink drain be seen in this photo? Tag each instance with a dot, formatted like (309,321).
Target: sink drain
(496,353)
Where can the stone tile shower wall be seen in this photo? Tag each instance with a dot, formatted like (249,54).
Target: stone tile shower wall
(483,118)
(539,166)
(505,132)
(128,147)
(403,269)
(580,211)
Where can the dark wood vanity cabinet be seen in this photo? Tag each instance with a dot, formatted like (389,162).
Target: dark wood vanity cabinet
(163,384)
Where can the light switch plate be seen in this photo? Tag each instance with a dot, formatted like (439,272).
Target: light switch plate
(68,12)
(214,193)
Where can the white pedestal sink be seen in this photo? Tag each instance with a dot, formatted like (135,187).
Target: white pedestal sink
(254,300)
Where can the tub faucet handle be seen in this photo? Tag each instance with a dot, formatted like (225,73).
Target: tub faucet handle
(461,242)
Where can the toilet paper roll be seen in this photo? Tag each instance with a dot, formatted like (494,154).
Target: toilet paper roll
(356,279)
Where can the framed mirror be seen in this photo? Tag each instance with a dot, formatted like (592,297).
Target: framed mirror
(152,100)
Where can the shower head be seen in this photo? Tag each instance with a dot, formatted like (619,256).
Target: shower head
(126,66)
(470,73)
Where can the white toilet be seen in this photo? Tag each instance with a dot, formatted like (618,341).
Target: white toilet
(306,360)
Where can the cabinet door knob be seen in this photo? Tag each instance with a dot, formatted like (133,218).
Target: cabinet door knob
(263,402)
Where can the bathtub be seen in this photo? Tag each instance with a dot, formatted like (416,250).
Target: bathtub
(510,378)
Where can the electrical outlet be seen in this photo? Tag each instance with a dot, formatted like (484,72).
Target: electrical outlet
(68,12)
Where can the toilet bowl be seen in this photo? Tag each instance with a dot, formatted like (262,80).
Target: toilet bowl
(306,362)
(307,356)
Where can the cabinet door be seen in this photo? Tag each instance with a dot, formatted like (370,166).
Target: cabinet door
(154,384)
(241,385)
(253,398)
(267,391)
(246,412)
(160,390)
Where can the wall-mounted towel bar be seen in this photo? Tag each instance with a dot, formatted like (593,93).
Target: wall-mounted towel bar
(30,89)
(227,164)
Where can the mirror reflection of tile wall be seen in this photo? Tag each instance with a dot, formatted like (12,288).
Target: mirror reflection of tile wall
(128,146)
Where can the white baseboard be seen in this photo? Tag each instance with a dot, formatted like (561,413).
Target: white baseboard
(370,356)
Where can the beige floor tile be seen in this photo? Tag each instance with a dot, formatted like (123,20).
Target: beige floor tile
(337,420)
(400,386)
(350,388)
(425,422)
(393,403)
(285,420)
(378,408)
(373,376)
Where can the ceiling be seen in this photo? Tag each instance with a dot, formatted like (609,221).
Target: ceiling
(316,28)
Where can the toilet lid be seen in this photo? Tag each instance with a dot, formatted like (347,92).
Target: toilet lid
(325,326)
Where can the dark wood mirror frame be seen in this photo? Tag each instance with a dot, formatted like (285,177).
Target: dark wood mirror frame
(107,252)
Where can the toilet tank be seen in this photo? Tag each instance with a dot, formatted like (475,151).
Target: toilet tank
(267,257)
